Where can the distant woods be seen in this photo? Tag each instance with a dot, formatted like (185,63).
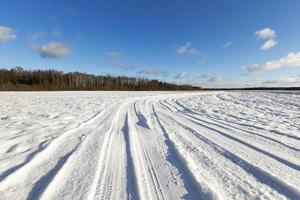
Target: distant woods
(34,80)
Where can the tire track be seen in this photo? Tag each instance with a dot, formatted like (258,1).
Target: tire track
(144,162)
(111,164)
(41,185)
(132,187)
(209,125)
(224,125)
(160,147)
(194,189)
(260,174)
(43,146)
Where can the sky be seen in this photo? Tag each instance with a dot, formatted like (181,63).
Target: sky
(209,43)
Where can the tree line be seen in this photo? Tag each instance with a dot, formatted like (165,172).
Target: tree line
(19,79)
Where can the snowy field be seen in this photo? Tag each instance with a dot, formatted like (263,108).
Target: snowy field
(149,145)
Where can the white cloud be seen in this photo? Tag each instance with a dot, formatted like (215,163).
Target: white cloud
(211,80)
(269,44)
(36,36)
(153,71)
(43,34)
(287,81)
(216,79)
(181,75)
(184,49)
(113,55)
(53,50)
(116,60)
(201,62)
(290,60)
(56,34)
(64,12)
(7,33)
(266,33)
(188,49)
(71,11)
(227,44)
(204,76)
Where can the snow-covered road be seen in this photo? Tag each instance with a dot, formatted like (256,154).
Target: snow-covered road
(149,145)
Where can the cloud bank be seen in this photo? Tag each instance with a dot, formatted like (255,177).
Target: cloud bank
(287,81)
(290,60)
(284,81)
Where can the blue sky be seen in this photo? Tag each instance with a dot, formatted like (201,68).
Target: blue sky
(212,43)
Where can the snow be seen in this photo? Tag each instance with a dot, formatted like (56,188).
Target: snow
(150,145)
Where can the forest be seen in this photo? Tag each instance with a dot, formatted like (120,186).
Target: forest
(19,79)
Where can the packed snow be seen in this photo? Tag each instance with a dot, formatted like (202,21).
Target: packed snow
(150,145)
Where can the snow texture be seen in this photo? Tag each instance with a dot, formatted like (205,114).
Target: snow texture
(149,145)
